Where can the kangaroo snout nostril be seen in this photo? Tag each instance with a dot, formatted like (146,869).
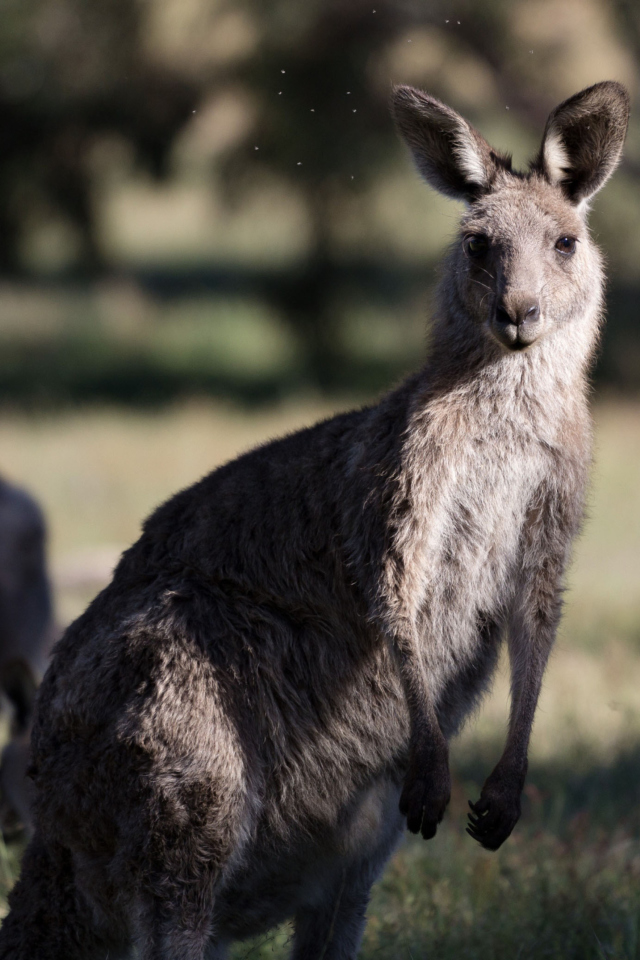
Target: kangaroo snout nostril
(502,316)
(519,314)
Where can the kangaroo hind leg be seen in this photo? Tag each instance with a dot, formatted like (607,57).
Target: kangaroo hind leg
(50,918)
(332,929)
(168,931)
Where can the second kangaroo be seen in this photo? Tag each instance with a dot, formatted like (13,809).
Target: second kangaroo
(238,728)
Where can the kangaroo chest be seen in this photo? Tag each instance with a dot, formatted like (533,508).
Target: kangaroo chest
(471,533)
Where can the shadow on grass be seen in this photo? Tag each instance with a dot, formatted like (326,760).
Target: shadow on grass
(565,886)
(575,785)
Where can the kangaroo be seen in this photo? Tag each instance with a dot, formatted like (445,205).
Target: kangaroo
(238,728)
(26,636)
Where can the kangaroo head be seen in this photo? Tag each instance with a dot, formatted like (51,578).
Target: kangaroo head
(523,266)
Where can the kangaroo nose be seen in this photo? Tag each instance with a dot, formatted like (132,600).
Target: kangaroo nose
(528,314)
(520,314)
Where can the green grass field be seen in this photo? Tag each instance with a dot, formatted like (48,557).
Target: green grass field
(567,883)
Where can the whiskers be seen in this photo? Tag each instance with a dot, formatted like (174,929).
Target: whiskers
(486,286)
(481,284)
(490,275)
(484,298)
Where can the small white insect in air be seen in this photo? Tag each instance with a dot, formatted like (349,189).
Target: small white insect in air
(458,22)
(299,163)
(312,110)
(348,92)
(283,71)
(506,108)
(256,148)
(446,21)
(353,111)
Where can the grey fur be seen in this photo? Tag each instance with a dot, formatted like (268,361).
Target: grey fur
(26,636)
(224,737)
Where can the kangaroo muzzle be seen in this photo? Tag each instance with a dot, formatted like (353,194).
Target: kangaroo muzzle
(517,326)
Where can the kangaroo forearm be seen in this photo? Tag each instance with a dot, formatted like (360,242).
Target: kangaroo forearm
(425,729)
(548,532)
(531,637)
(517,744)
(525,691)
(427,785)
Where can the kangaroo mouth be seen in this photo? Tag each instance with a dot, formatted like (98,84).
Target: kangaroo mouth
(514,336)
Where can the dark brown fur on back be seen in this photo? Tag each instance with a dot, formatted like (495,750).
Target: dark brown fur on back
(237,729)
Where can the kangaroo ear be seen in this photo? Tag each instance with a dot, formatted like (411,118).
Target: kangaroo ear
(448,152)
(583,140)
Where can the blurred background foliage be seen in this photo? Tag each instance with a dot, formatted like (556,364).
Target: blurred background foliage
(208,196)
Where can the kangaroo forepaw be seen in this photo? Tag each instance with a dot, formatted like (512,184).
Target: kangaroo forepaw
(496,813)
(424,800)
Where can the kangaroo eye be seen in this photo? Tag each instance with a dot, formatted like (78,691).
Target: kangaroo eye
(476,245)
(566,246)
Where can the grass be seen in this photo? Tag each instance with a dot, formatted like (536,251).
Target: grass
(567,883)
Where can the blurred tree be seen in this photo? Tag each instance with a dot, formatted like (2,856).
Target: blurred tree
(321,124)
(71,71)
(311,81)
(323,121)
